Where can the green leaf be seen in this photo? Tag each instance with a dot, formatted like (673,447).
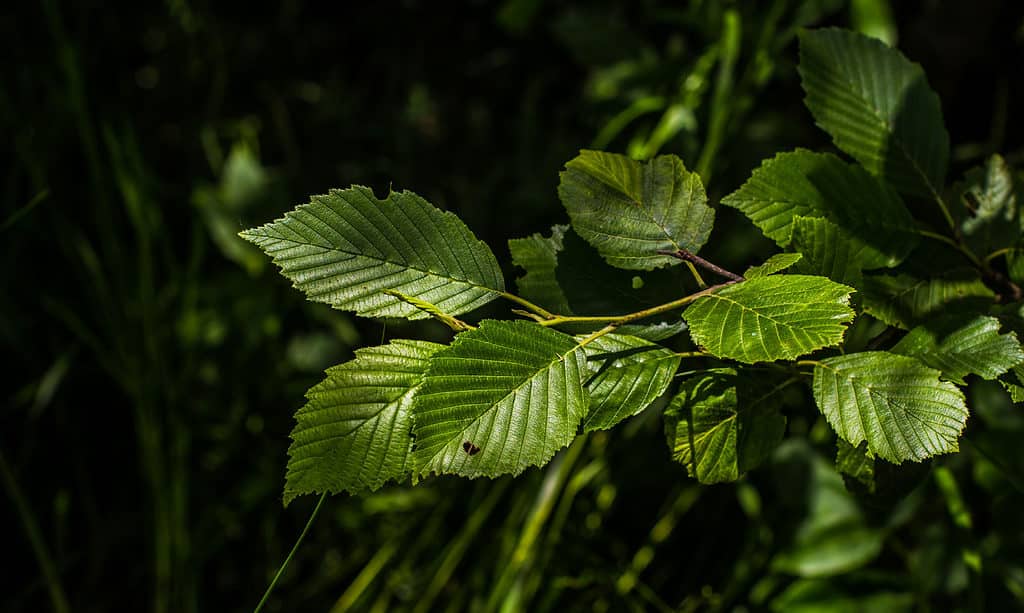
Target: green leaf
(877,106)
(719,425)
(771,318)
(774,264)
(808,184)
(828,251)
(345,248)
(895,403)
(960,346)
(628,210)
(502,397)
(989,214)
(856,462)
(354,433)
(629,374)
(904,301)
(538,256)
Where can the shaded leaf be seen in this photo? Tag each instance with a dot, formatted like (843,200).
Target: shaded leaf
(808,184)
(877,106)
(774,264)
(904,301)
(628,210)
(721,424)
(960,346)
(512,389)
(592,287)
(989,212)
(538,256)
(348,246)
(629,374)
(856,462)
(353,435)
(895,403)
(771,318)
(827,251)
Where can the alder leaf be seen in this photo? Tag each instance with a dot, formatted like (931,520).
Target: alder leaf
(960,346)
(345,248)
(538,256)
(499,399)
(629,210)
(771,318)
(895,403)
(629,373)
(856,462)
(774,264)
(904,301)
(809,184)
(353,435)
(989,212)
(877,106)
(828,251)
(719,426)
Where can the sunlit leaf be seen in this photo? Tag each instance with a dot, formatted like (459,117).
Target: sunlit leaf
(771,318)
(501,398)
(629,210)
(774,264)
(348,246)
(808,184)
(629,374)
(877,106)
(354,433)
(959,346)
(895,403)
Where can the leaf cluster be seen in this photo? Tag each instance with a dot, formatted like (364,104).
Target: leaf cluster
(611,305)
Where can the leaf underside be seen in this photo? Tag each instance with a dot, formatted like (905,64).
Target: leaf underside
(877,106)
(511,389)
(345,248)
(353,434)
(629,210)
(771,318)
(895,403)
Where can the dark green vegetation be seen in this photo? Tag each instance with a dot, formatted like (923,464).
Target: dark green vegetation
(157,360)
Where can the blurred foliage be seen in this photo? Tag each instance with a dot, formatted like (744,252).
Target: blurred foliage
(151,380)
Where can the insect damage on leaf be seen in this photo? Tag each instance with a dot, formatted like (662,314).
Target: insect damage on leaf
(470,448)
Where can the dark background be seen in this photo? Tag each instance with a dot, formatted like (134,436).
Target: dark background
(154,362)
